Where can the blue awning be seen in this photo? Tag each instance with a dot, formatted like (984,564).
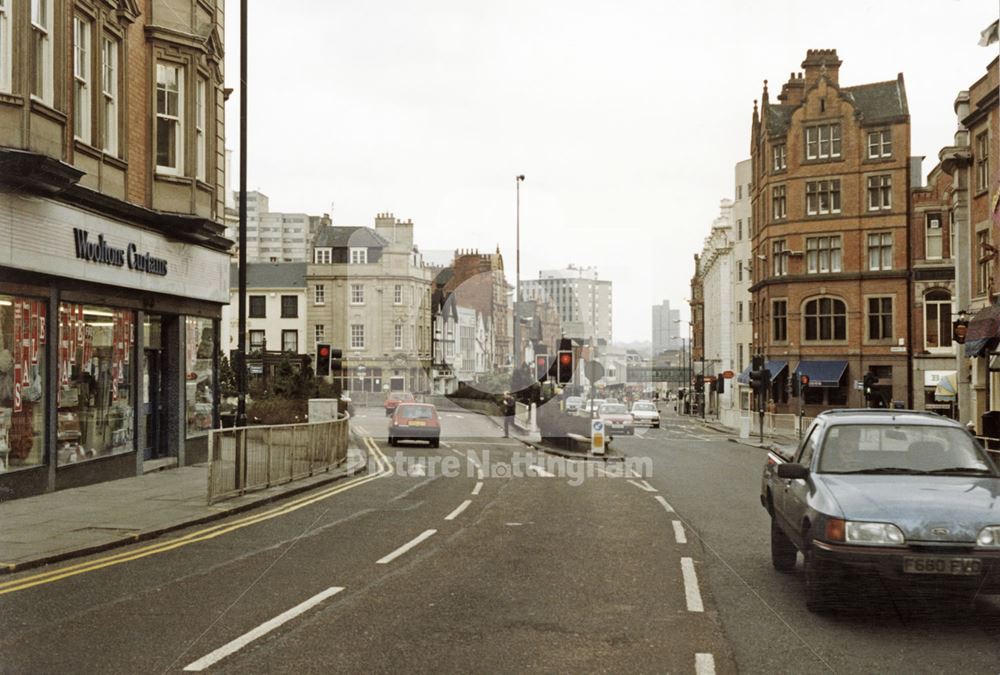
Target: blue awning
(775,367)
(823,373)
(744,377)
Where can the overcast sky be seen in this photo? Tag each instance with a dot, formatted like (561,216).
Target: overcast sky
(626,117)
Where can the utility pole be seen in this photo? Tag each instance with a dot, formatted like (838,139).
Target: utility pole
(241,345)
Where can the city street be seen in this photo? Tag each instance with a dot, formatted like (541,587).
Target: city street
(510,562)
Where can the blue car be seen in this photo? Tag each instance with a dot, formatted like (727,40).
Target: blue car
(911,497)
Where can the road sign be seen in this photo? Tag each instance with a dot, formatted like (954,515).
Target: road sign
(597,437)
(594,371)
(859,385)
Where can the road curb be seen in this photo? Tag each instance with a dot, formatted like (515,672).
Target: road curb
(49,559)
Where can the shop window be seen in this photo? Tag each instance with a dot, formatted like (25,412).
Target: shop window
(22,379)
(199,375)
(95,417)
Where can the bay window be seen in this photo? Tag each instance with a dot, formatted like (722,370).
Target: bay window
(169,118)
(81,78)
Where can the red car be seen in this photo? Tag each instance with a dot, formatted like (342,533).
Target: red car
(395,398)
(415,422)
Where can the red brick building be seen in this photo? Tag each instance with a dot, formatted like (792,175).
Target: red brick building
(830,203)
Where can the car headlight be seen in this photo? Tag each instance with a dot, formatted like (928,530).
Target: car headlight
(863,533)
(989,536)
(859,532)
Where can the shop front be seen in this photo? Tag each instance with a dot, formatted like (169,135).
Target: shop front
(108,346)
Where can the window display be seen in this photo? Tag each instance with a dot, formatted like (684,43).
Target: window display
(22,376)
(199,341)
(95,416)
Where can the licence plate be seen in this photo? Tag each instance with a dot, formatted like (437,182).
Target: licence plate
(418,424)
(942,565)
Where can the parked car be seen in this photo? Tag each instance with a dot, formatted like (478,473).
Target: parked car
(395,398)
(906,495)
(574,404)
(616,418)
(645,412)
(415,422)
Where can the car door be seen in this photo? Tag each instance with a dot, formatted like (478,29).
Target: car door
(795,499)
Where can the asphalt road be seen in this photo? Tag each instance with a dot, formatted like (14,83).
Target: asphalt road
(483,556)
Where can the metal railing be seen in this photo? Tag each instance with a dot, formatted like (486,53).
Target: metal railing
(243,459)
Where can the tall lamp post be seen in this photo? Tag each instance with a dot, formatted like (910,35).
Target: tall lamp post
(518,355)
(241,345)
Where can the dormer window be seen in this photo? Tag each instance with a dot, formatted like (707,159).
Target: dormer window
(322,256)
(359,256)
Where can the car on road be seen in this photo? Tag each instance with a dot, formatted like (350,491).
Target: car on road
(645,412)
(415,422)
(590,407)
(574,404)
(616,418)
(908,497)
(395,398)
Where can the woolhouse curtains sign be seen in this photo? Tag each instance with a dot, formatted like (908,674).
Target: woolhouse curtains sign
(101,252)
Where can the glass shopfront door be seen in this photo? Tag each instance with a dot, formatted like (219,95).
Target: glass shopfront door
(153,403)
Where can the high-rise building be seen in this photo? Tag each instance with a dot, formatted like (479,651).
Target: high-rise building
(666,329)
(582,299)
(274,236)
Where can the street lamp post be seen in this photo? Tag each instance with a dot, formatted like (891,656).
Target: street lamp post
(241,343)
(518,355)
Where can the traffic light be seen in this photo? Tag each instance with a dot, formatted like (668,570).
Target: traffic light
(541,367)
(868,385)
(336,365)
(565,368)
(322,359)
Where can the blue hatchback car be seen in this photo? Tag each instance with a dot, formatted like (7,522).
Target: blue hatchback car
(910,496)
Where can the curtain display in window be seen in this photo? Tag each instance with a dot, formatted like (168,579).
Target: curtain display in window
(22,378)
(95,416)
(198,374)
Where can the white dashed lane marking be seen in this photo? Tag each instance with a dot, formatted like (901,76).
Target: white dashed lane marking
(406,547)
(665,503)
(691,592)
(704,664)
(457,512)
(679,535)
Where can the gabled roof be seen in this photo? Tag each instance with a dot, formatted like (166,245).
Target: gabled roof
(270,275)
(778,117)
(879,100)
(342,237)
(874,102)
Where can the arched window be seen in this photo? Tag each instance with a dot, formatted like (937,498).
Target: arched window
(937,319)
(825,319)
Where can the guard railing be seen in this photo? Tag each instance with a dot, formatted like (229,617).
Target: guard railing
(243,459)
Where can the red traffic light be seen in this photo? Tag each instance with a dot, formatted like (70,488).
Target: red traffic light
(542,361)
(565,359)
(324,351)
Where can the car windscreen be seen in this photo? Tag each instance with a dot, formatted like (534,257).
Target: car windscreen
(887,448)
(613,409)
(416,412)
(646,407)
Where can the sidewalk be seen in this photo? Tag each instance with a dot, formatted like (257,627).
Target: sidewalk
(81,521)
(780,442)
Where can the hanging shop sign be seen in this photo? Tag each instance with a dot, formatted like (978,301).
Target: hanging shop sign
(101,252)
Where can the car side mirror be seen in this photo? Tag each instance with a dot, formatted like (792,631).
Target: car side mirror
(793,471)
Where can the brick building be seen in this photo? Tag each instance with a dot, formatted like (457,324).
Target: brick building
(829,204)
(113,271)
(932,246)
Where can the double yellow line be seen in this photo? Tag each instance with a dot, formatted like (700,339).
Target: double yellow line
(383,469)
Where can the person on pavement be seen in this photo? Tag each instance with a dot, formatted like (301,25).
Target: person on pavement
(508,413)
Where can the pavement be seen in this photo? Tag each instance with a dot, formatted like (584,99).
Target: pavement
(56,526)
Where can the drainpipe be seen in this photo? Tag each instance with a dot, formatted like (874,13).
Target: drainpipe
(909,286)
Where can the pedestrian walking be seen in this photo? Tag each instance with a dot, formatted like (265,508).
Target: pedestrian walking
(509,408)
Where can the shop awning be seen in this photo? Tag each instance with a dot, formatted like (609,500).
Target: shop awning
(983,331)
(744,377)
(775,367)
(822,373)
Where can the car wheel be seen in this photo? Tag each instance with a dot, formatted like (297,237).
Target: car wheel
(783,552)
(820,582)
(435,443)
(392,441)
(656,426)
